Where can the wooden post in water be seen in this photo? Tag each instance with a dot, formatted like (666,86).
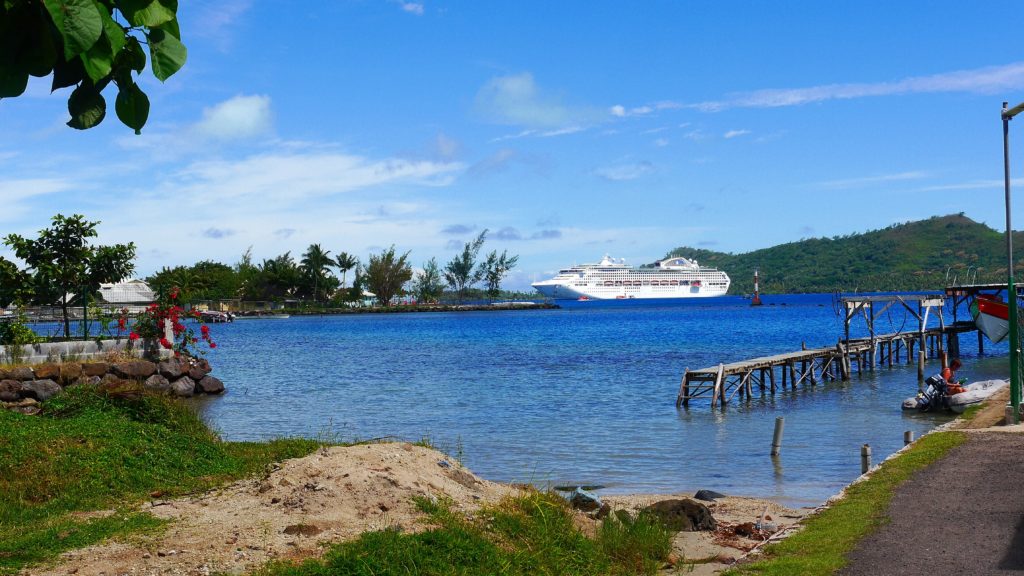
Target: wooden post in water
(981,344)
(719,388)
(780,422)
(920,366)
(908,437)
(771,380)
(792,374)
(865,458)
(684,390)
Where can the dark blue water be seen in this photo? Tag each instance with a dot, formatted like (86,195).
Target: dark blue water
(585,394)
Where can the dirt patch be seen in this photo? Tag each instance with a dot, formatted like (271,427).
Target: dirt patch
(992,412)
(738,531)
(291,512)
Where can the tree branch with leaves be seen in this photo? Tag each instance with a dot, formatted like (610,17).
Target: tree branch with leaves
(88,44)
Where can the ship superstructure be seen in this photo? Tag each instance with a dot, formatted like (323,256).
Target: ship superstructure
(675,277)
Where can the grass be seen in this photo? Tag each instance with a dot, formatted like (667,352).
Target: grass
(94,449)
(822,546)
(529,534)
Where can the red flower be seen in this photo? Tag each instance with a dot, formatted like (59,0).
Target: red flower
(213,344)
(165,343)
(204,329)
(174,293)
(133,336)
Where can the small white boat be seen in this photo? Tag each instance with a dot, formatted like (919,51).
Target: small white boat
(935,395)
(975,393)
(262,316)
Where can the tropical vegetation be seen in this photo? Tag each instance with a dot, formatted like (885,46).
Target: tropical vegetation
(60,264)
(922,255)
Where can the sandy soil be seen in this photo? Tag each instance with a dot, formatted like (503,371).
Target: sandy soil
(330,496)
(337,493)
(704,553)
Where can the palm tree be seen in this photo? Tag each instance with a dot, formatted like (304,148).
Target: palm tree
(316,263)
(345,262)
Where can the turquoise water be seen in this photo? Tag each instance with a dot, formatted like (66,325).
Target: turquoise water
(585,394)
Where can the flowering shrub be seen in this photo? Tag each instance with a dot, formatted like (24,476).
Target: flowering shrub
(150,325)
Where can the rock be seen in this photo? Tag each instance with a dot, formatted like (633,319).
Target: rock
(70,371)
(603,511)
(708,495)
(302,530)
(683,515)
(110,381)
(5,374)
(86,381)
(580,499)
(10,390)
(135,369)
(95,368)
(47,371)
(200,367)
(22,373)
(183,386)
(40,389)
(157,383)
(172,369)
(210,385)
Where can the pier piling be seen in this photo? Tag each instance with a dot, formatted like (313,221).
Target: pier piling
(780,423)
(908,437)
(865,458)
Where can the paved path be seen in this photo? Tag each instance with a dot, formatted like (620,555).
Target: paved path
(963,515)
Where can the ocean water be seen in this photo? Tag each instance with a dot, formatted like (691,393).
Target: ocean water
(580,395)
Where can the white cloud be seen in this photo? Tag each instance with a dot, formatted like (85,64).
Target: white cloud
(285,177)
(412,7)
(516,100)
(988,80)
(661,142)
(735,133)
(238,118)
(15,193)
(870,180)
(623,172)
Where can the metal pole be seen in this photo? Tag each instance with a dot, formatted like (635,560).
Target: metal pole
(1011,290)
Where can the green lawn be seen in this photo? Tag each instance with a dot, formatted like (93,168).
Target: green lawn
(94,450)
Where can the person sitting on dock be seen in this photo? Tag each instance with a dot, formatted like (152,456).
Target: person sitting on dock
(953,385)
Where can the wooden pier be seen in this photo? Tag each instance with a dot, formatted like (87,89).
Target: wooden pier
(768,374)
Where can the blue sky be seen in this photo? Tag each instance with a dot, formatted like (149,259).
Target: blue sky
(569,130)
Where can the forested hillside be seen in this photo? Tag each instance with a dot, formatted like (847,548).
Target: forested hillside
(922,255)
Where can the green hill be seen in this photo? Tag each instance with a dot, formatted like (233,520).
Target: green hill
(923,255)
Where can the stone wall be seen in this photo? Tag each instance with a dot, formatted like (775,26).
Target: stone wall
(23,387)
(82,350)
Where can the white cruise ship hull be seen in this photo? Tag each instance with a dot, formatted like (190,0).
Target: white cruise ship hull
(561,292)
(612,280)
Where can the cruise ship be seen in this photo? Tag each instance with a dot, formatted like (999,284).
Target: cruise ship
(612,279)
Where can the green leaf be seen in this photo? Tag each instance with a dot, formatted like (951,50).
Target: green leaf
(42,50)
(98,60)
(78,22)
(87,107)
(67,73)
(131,56)
(115,34)
(149,13)
(132,107)
(12,82)
(167,54)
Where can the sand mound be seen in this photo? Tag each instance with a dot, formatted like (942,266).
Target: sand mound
(332,495)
